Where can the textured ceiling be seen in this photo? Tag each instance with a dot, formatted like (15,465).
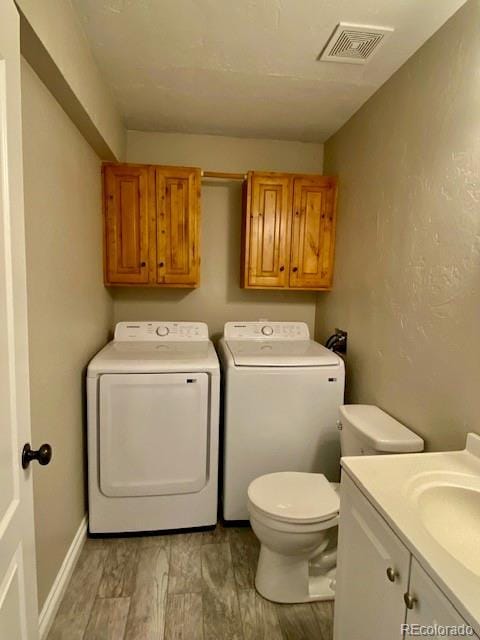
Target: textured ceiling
(247,67)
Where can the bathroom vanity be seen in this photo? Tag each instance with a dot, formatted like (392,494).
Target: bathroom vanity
(409,545)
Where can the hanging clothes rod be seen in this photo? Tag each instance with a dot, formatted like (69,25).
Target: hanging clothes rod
(222,175)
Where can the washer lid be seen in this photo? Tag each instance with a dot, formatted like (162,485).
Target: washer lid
(281,353)
(292,496)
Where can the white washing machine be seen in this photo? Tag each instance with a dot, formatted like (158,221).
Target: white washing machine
(282,393)
(153,412)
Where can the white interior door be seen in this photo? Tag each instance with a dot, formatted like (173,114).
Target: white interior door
(18,596)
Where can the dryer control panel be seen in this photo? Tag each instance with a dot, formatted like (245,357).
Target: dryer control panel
(265,330)
(161,331)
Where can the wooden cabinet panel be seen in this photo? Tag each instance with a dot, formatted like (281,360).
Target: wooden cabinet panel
(127,225)
(178,228)
(288,231)
(267,230)
(313,232)
(152,225)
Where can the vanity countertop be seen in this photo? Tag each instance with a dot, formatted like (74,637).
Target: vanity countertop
(424,497)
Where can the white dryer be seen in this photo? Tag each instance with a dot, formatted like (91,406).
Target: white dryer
(153,412)
(282,393)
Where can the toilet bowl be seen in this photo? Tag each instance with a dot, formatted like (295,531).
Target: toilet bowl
(294,515)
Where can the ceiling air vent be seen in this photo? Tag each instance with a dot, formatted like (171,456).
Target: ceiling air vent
(354,43)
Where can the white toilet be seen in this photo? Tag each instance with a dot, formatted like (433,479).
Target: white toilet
(295,515)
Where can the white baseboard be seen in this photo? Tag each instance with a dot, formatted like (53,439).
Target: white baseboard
(55,596)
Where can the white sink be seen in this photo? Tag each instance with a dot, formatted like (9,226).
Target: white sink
(449,509)
(432,502)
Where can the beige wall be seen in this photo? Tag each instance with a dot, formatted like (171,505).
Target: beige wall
(59,30)
(407,278)
(69,310)
(219,297)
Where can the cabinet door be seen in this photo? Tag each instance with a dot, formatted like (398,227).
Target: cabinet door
(313,233)
(267,230)
(127,190)
(178,226)
(431,608)
(367,603)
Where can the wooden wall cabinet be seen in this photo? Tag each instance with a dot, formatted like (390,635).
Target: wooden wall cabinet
(288,231)
(152,225)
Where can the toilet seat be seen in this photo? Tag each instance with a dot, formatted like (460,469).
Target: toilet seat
(294,497)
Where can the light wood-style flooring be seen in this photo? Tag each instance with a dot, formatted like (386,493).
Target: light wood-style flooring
(185,586)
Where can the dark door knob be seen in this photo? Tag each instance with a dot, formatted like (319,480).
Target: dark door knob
(295,269)
(43,455)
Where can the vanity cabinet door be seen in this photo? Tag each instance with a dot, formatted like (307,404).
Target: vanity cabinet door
(431,608)
(372,572)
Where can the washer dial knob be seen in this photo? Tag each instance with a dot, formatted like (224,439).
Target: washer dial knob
(267,331)
(163,331)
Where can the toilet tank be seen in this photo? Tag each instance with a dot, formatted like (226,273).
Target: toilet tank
(366,430)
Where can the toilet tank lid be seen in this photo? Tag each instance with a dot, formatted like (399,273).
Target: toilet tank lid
(382,432)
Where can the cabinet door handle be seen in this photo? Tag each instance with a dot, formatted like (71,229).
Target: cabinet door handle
(295,269)
(282,268)
(409,600)
(143,264)
(160,264)
(391,574)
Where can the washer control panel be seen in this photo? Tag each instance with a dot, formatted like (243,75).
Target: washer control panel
(161,331)
(265,330)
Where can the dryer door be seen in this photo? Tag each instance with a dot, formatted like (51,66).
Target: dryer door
(153,433)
